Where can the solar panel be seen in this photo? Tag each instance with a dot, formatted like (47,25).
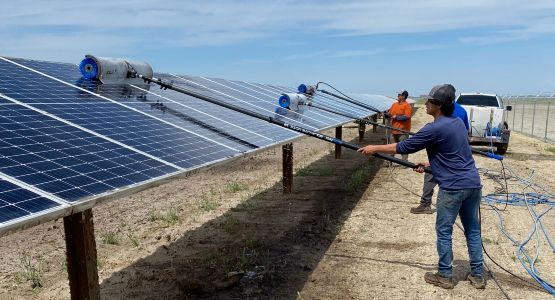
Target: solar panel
(118,121)
(65,140)
(64,160)
(17,202)
(255,131)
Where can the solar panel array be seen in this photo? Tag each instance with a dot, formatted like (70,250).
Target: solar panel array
(66,141)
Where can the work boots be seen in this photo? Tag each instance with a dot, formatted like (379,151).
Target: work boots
(478,282)
(422,209)
(438,280)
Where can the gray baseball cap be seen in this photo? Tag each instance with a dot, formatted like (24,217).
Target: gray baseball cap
(442,92)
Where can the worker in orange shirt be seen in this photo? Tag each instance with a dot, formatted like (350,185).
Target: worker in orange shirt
(400,114)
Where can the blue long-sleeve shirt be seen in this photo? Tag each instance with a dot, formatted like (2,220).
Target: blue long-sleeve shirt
(460,113)
(449,153)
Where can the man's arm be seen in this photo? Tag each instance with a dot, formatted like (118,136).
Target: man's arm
(372,149)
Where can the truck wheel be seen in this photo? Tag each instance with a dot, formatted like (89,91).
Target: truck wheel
(502,148)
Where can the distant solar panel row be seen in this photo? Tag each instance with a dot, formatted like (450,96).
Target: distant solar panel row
(65,140)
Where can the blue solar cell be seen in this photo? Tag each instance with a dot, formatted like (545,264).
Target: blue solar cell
(16,202)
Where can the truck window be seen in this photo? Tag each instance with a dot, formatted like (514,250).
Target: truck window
(478,100)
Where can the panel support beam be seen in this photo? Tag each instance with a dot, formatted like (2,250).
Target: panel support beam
(338,135)
(287,151)
(81,256)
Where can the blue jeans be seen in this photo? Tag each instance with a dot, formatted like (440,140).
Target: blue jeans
(464,203)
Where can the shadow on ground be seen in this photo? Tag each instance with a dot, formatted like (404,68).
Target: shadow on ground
(266,247)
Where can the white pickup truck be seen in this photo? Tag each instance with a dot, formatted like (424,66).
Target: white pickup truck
(486,117)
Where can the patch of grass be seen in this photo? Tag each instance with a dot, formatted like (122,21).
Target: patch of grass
(234,187)
(207,202)
(356,181)
(99,263)
(486,241)
(229,223)
(110,238)
(64,267)
(551,149)
(171,216)
(315,171)
(303,171)
(210,259)
(249,203)
(134,240)
(31,272)
(253,242)
(153,216)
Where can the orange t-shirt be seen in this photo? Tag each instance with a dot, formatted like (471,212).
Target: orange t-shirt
(400,109)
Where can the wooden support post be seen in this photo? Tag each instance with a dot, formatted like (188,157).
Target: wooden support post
(375,120)
(338,135)
(287,150)
(361,131)
(81,256)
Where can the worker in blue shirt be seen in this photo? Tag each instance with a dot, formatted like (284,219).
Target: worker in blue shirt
(460,190)
(460,113)
(425,206)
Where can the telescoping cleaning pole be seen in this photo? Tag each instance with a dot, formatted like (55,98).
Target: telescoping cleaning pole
(122,71)
(292,101)
(310,90)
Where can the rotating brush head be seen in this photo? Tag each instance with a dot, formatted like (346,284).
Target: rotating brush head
(114,70)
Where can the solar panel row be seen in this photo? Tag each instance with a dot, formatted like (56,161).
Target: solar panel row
(65,140)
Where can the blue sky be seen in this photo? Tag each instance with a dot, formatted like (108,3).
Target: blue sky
(375,47)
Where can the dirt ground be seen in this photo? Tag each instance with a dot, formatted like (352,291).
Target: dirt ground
(230,233)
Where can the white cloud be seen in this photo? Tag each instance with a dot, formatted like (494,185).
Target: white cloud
(354,53)
(125,25)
